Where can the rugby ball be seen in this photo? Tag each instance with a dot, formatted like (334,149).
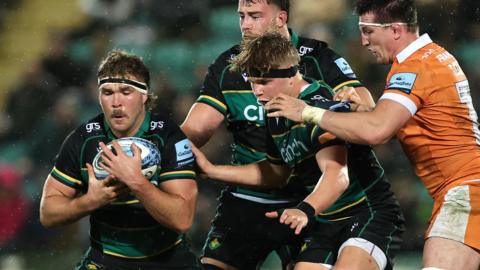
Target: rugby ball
(149,152)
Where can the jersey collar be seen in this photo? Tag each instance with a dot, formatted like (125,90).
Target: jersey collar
(143,128)
(419,43)
(312,87)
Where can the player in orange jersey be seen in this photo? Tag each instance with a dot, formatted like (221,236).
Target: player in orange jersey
(427,105)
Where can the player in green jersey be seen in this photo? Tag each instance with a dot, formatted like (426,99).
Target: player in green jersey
(350,219)
(134,223)
(227,97)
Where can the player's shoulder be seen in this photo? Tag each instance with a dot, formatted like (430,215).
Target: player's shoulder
(91,128)
(313,47)
(225,57)
(161,122)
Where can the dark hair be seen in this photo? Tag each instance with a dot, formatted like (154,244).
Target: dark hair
(265,52)
(282,4)
(119,63)
(388,11)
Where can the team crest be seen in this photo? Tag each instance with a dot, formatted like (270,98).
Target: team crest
(214,244)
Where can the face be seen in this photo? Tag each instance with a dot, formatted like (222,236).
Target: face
(123,106)
(267,88)
(258,17)
(377,39)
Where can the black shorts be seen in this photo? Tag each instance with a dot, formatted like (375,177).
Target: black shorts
(241,235)
(178,257)
(381,224)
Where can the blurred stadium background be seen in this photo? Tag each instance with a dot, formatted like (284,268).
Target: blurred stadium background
(49,51)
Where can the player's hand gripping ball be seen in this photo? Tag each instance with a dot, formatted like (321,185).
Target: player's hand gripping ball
(149,153)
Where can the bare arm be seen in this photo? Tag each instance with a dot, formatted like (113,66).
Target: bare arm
(375,127)
(201,123)
(173,204)
(332,161)
(334,180)
(61,204)
(259,174)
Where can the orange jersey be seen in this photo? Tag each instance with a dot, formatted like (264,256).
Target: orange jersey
(442,137)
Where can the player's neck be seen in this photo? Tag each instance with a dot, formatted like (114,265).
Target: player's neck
(299,85)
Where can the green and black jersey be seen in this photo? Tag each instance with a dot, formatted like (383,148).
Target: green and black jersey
(124,228)
(295,144)
(230,93)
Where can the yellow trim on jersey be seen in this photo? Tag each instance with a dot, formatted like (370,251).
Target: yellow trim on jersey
(179,172)
(142,257)
(237,91)
(214,100)
(249,148)
(343,84)
(338,219)
(126,202)
(273,158)
(71,179)
(345,207)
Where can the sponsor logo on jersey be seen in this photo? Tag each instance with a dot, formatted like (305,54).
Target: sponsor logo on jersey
(245,77)
(403,81)
(319,98)
(254,112)
(184,150)
(304,50)
(156,125)
(292,149)
(463,90)
(345,67)
(92,126)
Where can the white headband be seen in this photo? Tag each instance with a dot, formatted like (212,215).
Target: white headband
(139,86)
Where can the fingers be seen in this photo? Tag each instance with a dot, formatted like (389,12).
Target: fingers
(91,174)
(135,150)
(299,227)
(106,152)
(272,214)
(347,93)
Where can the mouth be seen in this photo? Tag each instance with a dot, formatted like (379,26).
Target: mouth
(263,102)
(118,116)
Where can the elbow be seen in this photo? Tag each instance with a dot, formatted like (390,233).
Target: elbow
(46,222)
(183,227)
(343,181)
(185,221)
(378,136)
(44,219)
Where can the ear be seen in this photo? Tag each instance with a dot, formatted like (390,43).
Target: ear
(398,30)
(144,98)
(282,18)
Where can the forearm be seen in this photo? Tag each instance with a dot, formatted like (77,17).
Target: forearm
(355,127)
(260,174)
(329,188)
(57,210)
(171,210)
(197,136)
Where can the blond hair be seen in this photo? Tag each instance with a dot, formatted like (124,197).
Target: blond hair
(265,52)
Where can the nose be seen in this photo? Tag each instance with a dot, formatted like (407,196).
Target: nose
(116,100)
(365,41)
(245,24)
(257,90)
